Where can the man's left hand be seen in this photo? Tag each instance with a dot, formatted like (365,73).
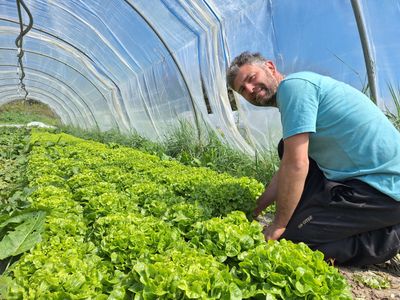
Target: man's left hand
(273,232)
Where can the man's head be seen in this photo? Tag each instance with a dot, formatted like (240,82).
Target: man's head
(255,78)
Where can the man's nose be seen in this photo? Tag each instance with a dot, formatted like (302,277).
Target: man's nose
(248,87)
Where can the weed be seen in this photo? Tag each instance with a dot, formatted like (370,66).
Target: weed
(394,117)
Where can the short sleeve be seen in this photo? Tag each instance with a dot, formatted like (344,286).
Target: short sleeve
(298,102)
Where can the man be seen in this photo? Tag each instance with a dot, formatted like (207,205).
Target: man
(338,185)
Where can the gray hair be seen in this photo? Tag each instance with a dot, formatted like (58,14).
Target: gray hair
(243,59)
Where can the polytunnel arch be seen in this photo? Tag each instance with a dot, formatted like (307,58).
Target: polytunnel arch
(68,115)
(67,65)
(42,98)
(61,83)
(194,110)
(97,73)
(88,124)
(197,121)
(230,26)
(17,98)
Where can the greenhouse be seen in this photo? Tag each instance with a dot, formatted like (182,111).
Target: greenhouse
(130,168)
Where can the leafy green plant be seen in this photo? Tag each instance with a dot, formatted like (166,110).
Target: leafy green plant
(284,270)
(183,274)
(372,280)
(226,238)
(149,235)
(20,233)
(182,144)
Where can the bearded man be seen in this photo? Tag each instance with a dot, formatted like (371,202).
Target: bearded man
(338,185)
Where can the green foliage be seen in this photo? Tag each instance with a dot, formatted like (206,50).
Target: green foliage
(123,224)
(13,151)
(20,233)
(131,237)
(227,238)
(183,274)
(183,144)
(372,280)
(61,268)
(20,228)
(285,270)
(114,138)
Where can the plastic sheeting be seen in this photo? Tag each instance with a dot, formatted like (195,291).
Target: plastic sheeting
(143,66)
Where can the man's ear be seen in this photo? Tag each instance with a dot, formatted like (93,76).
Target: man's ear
(269,64)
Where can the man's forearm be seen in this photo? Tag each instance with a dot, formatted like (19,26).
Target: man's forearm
(268,197)
(292,176)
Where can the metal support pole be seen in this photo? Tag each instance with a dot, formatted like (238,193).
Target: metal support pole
(369,62)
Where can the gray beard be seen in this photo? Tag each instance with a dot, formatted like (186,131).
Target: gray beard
(270,102)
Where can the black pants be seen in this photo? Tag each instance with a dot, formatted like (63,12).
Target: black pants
(349,221)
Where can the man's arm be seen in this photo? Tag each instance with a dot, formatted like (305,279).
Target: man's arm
(268,197)
(291,178)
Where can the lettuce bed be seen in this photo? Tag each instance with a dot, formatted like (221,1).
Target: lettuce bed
(122,224)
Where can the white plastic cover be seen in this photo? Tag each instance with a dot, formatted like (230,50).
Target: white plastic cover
(144,65)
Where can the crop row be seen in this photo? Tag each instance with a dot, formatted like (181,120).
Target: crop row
(122,224)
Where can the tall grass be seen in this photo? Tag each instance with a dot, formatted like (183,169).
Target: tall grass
(183,144)
(394,117)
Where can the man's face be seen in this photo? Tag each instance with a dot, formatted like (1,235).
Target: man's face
(257,84)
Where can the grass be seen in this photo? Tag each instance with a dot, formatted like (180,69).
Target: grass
(394,117)
(183,144)
(23,112)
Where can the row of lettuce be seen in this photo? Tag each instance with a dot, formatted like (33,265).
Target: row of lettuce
(121,224)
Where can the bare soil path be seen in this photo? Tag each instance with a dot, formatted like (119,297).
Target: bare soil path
(363,292)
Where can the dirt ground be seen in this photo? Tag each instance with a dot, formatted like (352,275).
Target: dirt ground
(361,291)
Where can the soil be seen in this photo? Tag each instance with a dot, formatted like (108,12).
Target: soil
(363,292)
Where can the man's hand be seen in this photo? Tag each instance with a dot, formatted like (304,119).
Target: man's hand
(273,232)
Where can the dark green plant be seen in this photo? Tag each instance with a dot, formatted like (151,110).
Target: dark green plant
(13,161)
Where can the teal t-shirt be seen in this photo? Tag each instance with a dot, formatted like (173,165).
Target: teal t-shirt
(350,137)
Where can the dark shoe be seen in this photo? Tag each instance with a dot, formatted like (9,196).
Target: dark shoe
(391,266)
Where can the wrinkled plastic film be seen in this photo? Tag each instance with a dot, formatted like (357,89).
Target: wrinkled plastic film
(146,65)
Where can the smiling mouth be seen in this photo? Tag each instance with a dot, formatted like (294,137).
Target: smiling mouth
(257,96)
